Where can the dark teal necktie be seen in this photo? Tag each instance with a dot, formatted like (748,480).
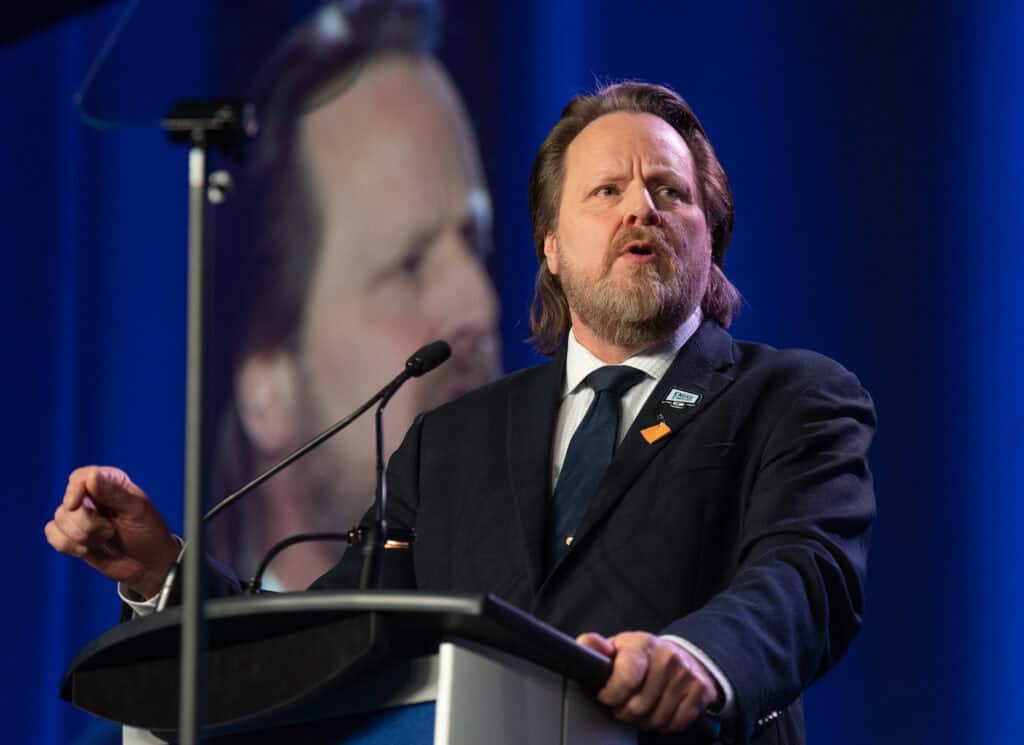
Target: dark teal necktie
(589,454)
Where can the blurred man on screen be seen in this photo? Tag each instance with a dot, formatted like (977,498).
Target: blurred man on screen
(403,223)
(357,234)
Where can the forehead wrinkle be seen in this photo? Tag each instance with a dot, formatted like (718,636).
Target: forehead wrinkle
(657,146)
(665,170)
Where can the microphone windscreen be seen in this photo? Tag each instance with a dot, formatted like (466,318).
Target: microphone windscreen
(427,357)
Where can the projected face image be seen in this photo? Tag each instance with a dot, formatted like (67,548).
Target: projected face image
(406,222)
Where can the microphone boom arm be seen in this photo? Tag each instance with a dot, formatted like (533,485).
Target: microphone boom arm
(425,359)
(328,433)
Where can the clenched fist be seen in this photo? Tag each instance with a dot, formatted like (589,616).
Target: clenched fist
(111,524)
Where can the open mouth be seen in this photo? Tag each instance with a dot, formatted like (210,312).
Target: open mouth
(638,249)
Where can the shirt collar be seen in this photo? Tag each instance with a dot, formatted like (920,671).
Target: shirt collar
(654,361)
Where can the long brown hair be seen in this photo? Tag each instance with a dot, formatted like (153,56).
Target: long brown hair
(549,314)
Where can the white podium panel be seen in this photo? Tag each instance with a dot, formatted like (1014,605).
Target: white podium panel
(487,696)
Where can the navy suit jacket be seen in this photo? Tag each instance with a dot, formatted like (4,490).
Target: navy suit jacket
(744,530)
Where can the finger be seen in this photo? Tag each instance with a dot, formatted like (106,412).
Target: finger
(674,710)
(664,687)
(629,668)
(597,643)
(84,483)
(75,492)
(687,711)
(109,488)
(633,640)
(641,706)
(689,690)
(636,710)
(62,542)
(84,526)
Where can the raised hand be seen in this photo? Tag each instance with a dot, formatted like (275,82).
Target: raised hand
(110,523)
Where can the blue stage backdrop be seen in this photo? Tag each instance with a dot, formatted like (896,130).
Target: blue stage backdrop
(875,153)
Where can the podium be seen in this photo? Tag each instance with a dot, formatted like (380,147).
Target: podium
(340,667)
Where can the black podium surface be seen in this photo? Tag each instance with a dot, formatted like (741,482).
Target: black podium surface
(278,661)
(273,656)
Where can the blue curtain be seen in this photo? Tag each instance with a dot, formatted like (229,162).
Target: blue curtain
(875,155)
(93,312)
(987,408)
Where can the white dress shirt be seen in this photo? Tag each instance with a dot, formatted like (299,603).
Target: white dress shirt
(577,397)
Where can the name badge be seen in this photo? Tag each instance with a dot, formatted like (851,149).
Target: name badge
(678,398)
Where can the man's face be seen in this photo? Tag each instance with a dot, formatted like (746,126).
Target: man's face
(632,248)
(406,219)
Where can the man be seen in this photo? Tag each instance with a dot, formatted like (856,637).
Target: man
(718,557)
(335,264)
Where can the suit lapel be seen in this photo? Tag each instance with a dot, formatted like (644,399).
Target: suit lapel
(700,367)
(532,411)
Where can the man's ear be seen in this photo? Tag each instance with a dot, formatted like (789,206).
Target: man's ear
(267,394)
(551,252)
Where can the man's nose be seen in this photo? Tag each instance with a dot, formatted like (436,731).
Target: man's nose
(641,209)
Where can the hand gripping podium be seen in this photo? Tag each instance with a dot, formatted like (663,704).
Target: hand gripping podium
(356,667)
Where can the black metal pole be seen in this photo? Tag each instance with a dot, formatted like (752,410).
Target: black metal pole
(201,124)
(192,688)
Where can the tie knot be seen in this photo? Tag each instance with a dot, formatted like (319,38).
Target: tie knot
(615,378)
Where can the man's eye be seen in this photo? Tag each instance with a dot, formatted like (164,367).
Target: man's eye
(411,264)
(671,192)
(605,191)
(407,265)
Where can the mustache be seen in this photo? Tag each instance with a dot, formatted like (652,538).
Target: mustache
(638,233)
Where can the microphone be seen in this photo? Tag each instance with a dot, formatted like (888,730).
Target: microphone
(422,361)
(427,358)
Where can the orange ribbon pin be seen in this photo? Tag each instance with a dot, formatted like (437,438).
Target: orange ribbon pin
(655,433)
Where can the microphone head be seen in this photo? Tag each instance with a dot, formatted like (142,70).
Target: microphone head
(427,357)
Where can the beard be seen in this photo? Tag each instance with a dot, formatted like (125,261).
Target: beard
(644,307)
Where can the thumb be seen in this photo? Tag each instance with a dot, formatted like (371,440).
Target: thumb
(111,489)
(596,642)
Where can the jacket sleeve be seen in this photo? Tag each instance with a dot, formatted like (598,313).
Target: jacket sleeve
(221,582)
(797,598)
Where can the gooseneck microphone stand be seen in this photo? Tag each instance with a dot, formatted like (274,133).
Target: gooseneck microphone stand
(377,535)
(200,124)
(423,361)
